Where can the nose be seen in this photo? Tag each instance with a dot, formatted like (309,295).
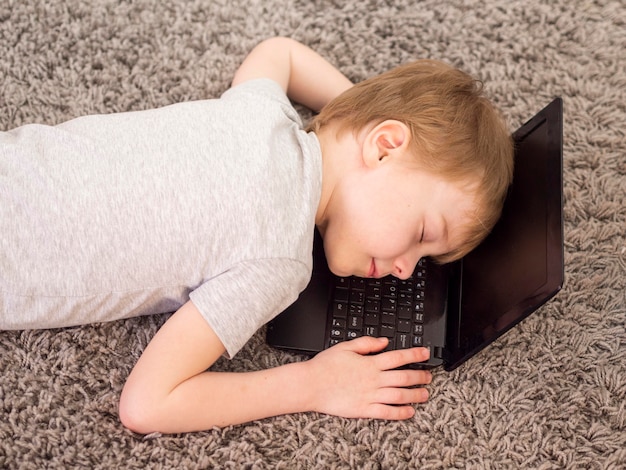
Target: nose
(403,267)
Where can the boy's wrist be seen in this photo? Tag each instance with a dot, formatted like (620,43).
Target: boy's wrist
(305,385)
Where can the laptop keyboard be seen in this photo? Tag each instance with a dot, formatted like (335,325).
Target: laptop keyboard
(389,307)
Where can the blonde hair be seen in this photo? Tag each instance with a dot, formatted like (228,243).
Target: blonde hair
(456,132)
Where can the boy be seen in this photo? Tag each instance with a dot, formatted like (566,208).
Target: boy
(209,208)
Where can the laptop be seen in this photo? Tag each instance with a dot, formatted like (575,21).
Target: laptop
(456,309)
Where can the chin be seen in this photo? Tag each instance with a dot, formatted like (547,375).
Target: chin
(338,270)
(338,265)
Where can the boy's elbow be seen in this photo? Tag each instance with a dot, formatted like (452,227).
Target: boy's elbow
(137,413)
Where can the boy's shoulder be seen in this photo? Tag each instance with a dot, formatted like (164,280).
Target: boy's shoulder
(264,91)
(257,86)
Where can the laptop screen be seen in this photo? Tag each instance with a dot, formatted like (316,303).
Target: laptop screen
(520,264)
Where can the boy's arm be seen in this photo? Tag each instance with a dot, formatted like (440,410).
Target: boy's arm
(306,77)
(170,391)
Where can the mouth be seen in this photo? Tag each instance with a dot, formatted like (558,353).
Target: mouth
(372,271)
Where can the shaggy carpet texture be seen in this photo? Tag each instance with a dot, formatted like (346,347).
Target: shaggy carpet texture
(550,394)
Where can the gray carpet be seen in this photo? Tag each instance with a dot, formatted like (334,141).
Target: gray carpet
(549,395)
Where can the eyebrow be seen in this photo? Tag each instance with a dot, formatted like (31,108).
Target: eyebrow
(443,228)
(440,225)
(445,233)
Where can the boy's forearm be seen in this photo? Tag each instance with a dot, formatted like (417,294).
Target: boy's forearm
(221,399)
(307,77)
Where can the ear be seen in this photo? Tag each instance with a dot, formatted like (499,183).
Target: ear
(385,140)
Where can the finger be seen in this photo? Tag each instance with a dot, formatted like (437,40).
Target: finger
(390,412)
(405,378)
(365,345)
(401,357)
(401,396)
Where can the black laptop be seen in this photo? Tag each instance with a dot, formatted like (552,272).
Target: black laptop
(456,309)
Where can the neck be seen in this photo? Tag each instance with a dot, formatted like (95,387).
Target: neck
(341,154)
(329,176)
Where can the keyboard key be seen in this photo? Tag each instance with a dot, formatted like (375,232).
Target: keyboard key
(371,331)
(372,292)
(341,295)
(355,309)
(390,290)
(372,319)
(404,326)
(337,333)
(418,341)
(372,306)
(404,312)
(353,334)
(340,309)
(418,329)
(357,296)
(403,341)
(388,304)
(418,317)
(387,330)
(405,299)
(339,323)
(406,286)
(355,323)
(388,318)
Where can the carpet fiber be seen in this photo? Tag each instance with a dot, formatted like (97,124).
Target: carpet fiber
(551,394)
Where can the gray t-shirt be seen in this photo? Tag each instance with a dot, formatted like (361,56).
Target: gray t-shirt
(112,216)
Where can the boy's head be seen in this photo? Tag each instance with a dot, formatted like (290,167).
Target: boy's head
(454,134)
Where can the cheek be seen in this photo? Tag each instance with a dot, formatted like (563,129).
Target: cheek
(364,224)
(343,251)
(351,217)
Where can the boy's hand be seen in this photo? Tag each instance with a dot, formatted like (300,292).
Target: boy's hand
(351,383)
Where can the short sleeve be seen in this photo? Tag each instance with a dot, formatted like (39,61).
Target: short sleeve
(239,301)
(264,88)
